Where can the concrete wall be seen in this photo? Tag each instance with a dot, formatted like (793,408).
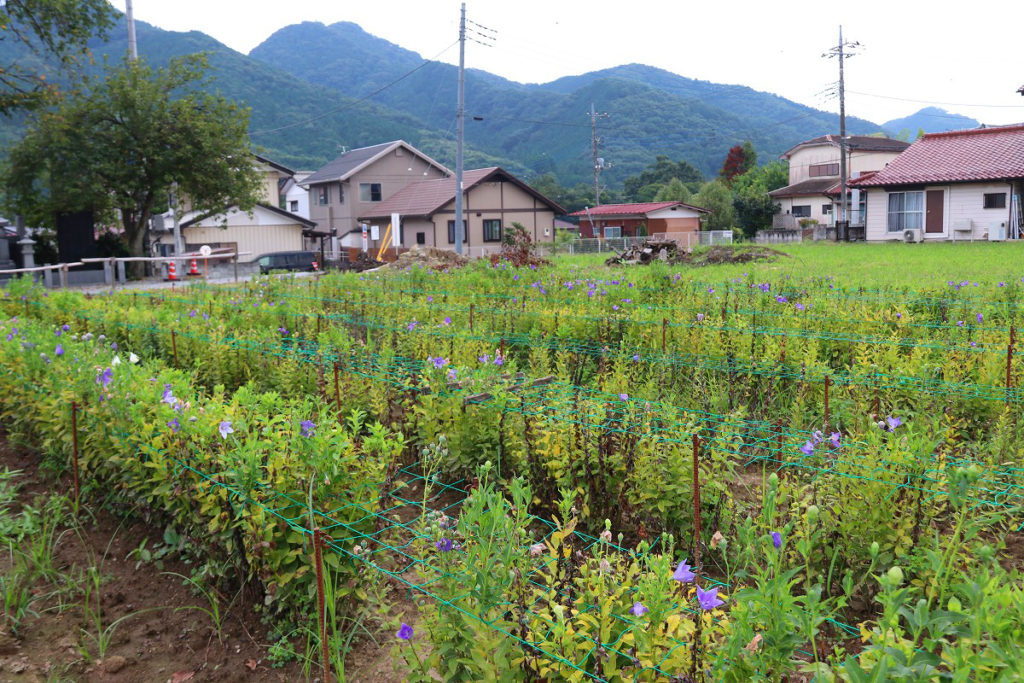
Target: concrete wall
(963,201)
(816,202)
(393,173)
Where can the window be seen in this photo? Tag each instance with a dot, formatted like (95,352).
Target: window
(613,231)
(906,211)
(995,201)
(293,205)
(826,208)
(323,195)
(492,231)
(370,192)
(818,170)
(451,232)
(341,193)
(421,238)
(802,211)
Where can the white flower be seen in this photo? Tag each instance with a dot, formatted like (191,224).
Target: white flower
(132,358)
(116,361)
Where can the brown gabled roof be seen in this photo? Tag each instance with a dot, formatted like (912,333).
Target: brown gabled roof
(860,143)
(428,196)
(814,186)
(273,164)
(355,159)
(957,156)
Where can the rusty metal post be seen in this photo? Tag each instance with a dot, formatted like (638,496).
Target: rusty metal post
(696,504)
(471,317)
(828,383)
(337,391)
(174,348)
(321,602)
(74,447)
(1009,364)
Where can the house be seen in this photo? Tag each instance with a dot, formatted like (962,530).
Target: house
(296,195)
(633,220)
(964,184)
(814,177)
(267,228)
(493,200)
(264,230)
(360,180)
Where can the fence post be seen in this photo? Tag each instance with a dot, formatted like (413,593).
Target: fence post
(174,348)
(64,276)
(337,392)
(828,383)
(234,263)
(321,600)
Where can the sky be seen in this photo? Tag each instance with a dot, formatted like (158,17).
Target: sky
(913,54)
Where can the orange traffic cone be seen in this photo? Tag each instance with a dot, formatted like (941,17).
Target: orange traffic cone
(194,269)
(172,272)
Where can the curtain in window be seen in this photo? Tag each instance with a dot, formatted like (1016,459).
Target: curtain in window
(896,212)
(914,211)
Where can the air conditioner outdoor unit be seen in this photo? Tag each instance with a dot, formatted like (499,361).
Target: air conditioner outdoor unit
(911,236)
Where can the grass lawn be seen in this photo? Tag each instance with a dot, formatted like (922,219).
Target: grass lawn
(913,266)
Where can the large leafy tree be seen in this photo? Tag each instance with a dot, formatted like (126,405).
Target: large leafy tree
(54,30)
(121,144)
(754,208)
(646,185)
(674,191)
(716,198)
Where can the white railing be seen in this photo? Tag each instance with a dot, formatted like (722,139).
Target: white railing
(779,236)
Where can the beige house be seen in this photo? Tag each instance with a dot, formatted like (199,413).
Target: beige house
(493,199)
(957,185)
(814,177)
(360,180)
(267,228)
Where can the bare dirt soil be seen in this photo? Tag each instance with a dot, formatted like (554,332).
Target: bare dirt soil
(170,644)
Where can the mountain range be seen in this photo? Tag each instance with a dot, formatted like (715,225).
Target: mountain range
(931,120)
(317,89)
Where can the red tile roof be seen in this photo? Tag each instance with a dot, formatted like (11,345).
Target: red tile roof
(637,209)
(957,156)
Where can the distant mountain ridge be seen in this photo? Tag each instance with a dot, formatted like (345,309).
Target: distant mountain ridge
(543,126)
(931,120)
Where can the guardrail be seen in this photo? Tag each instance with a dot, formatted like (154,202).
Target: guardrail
(47,272)
(114,266)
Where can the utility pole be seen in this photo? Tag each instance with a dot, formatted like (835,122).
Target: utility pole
(598,162)
(840,51)
(179,248)
(133,48)
(460,127)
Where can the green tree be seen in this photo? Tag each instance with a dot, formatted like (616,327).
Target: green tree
(920,133)
(675,191)
(754,211)
(661,172)
(763,178)
(123,145)
(716,198)
(749,156)
(59,29)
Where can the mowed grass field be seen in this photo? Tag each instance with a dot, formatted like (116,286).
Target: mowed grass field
(909,266)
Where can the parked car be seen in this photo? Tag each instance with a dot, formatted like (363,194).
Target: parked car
(301,261)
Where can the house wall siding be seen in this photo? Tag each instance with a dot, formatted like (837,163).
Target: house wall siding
(501,201)
(858,162)
(963,201)
(258,239)
(393,174)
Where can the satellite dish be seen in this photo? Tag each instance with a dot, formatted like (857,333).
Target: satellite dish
(205,250)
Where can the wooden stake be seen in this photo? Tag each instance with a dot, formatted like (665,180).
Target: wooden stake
(696,504)
(174,347)
(74,447)
(471,317)
(1009,364)
(828,383)
(664,335)
(321,602)
(337,391)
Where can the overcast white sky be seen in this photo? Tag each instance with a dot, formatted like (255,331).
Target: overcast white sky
(942,53)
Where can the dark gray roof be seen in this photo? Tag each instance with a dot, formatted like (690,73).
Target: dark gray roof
(807,187)
(346,163)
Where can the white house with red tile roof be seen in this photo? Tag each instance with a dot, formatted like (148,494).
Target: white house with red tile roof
(958,185)
(814,176)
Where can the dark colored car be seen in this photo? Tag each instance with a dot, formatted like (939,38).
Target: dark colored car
(301,261)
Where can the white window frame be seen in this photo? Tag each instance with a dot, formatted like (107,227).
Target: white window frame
(615,234)
(366,193)
(293,205)
(905,219)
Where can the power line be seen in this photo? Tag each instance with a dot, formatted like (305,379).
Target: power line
(948,104)
(361,99)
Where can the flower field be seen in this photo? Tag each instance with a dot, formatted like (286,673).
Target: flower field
(783,471)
